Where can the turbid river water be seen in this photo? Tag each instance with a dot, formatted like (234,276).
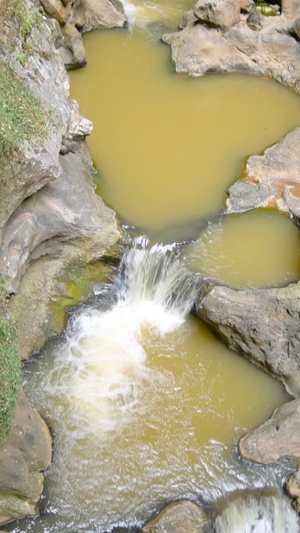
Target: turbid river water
(146,406)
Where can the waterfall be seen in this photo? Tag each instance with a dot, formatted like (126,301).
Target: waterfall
(104,358)
(264,514)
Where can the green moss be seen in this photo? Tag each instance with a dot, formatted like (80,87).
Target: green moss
(18,23)
(21,115)
(10,369)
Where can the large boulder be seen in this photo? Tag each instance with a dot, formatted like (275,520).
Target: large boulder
(243,42)
(23,459)
(262,325)
(96,14)
(270,180)
(217,13)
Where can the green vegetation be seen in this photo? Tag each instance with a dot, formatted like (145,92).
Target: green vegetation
(21,115)
(17,22)
(268,10)
(10,369)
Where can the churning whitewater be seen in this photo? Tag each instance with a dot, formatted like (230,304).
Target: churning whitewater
(105,360)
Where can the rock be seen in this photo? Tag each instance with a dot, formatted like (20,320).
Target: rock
(293,489)
(55,9)
(254,19)
(246,5)
(60,213)
(24,457)
(96,14)
(199,49)
(270,180)
(72,50)
(179,517)
(262,325)
(217,13)
(290,8)
(276,438)
(78,128)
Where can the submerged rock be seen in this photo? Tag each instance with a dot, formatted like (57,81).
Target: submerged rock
(25,455)
(179,517)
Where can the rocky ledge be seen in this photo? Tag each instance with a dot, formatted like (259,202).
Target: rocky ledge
(221,36)
(51,220)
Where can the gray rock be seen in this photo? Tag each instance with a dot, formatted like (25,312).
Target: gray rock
(63,211)
(96,14)
(276,438)
(179,517)
(262,325)
(270,180)
(254,19)
(25,455)
(217,13)
(198,49)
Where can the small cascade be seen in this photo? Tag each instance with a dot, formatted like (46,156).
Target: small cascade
(264,514)
(106,362)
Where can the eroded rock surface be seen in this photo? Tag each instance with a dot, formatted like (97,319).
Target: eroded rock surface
(262,325)
(270,180)
(25,455)
(238,39)
(276,438)
(179,517)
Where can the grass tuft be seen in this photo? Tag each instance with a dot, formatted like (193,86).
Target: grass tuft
(10,368)
(21,115)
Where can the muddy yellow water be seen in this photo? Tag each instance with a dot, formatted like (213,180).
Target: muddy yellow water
(256,249)
(160,425)
(167,146)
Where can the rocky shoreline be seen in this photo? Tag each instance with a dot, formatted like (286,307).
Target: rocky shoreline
(51,219)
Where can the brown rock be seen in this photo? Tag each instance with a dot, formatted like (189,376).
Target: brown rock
(179,517)
(276,438)
(73,51)
(293,489)
(217,13)
(55,9)
(25,455)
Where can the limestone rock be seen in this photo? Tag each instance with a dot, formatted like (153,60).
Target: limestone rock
(217,13)
(97,14)
(262,325)
(25,455)
(179,517)
(61,212)
(78,128)
(199,49)
(72,50)
(276,438)
(271,180)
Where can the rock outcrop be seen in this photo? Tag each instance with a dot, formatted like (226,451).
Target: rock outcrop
(222,37)
(50,217)
(270,180)
(262,325)
(26,454)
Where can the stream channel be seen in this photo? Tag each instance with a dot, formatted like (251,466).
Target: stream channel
(145,405)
